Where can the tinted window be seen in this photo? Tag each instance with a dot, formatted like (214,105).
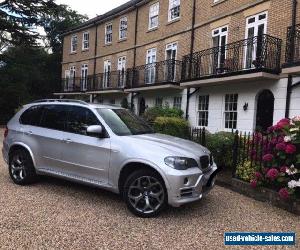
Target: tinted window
(54,117)
(32,116)
(122,122)
(79,119)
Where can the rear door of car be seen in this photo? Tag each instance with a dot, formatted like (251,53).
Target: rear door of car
(43,133)
(86,157)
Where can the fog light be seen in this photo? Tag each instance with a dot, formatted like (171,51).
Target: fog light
(186,181)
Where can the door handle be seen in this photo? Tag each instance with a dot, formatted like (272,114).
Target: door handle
(28,133)
(67,140)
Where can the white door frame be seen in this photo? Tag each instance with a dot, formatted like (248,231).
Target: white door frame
(254,25)
(151,67)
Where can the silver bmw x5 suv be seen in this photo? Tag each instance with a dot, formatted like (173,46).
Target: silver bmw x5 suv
(108,147)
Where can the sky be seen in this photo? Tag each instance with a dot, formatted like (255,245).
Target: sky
(92,8)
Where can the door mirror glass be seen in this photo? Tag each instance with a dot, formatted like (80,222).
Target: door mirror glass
(95,130)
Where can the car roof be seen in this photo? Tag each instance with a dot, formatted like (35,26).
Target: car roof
(73,103)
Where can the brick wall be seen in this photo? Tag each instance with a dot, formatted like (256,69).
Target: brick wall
(208,16)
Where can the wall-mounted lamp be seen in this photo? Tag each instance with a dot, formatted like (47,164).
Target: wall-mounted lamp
(246,106)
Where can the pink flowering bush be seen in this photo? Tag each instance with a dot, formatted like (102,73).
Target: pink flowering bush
(280,152)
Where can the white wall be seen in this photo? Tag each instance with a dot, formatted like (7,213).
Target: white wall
(295,100)
(247,94)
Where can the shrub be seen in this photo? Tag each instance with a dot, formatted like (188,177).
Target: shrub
(245,171)
(172,126)
(220,144)
(152,113)
(281,159)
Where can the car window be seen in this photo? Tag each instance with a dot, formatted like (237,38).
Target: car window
(79,119)
(122,122)
(32,116)
(54,117)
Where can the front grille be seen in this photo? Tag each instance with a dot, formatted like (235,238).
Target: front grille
(204,162)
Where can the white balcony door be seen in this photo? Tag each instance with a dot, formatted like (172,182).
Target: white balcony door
(84,77)
(106,75)
(121,70)
(71,78)
(66,81)
(219,37)
(170,66)
(256,26)
(151,66)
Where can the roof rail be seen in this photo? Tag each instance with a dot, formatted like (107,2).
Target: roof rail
(61,100)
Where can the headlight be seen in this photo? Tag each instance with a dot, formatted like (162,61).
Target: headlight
(180,163)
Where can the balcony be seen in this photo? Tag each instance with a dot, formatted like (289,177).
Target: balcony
(109,82)
(292,54)
(74,85)
(254,58)
(159,75)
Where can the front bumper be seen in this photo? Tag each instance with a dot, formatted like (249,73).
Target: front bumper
(190,187)
(5,152)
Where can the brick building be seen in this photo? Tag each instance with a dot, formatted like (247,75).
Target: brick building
(229,64)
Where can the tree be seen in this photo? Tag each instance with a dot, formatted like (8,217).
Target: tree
(19,20)
(28,69)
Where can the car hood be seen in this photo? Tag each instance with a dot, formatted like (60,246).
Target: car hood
(175,146)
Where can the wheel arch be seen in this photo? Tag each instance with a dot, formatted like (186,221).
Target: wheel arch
(20,145)
(132,166)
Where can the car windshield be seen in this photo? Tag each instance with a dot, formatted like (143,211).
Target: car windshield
(122,122)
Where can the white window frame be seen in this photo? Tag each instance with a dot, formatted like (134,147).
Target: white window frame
(229,109)
(151,65)
(86,40)
(84,76)
(172,5)
(203,108)
(123,28)
(74,43)
(108,33)
(106,73)
(219,32)
(153,13)
(122,71)
(159,102)
(177,102)
(254,25)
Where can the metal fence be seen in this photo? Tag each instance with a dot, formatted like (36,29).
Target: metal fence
(259,53)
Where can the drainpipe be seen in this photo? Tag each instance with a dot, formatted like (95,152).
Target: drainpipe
(134,51)
(288,96)
(293,31)
(95,61)
(191,56)
(291,58)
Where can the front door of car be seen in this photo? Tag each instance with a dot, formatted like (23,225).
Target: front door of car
(86,157)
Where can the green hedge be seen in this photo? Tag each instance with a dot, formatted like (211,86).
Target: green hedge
(152,113)
(172,126)
(220,144)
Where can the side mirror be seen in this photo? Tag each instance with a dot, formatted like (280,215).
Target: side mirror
(95,130)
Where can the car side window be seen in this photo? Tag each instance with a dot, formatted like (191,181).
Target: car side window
(79,119)
(54,117)
(32,116)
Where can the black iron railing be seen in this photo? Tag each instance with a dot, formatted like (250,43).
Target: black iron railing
(75,84)
(260,53)
(108,80)
(292,54)
(164,72)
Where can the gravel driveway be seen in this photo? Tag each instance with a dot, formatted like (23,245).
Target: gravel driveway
(55,214)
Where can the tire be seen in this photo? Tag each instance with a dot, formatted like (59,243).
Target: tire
(21,168)
(145,193)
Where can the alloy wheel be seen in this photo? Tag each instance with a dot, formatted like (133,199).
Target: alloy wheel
(146,194)
(18,168)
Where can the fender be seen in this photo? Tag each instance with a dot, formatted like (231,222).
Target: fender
(149,163)
(27,148)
